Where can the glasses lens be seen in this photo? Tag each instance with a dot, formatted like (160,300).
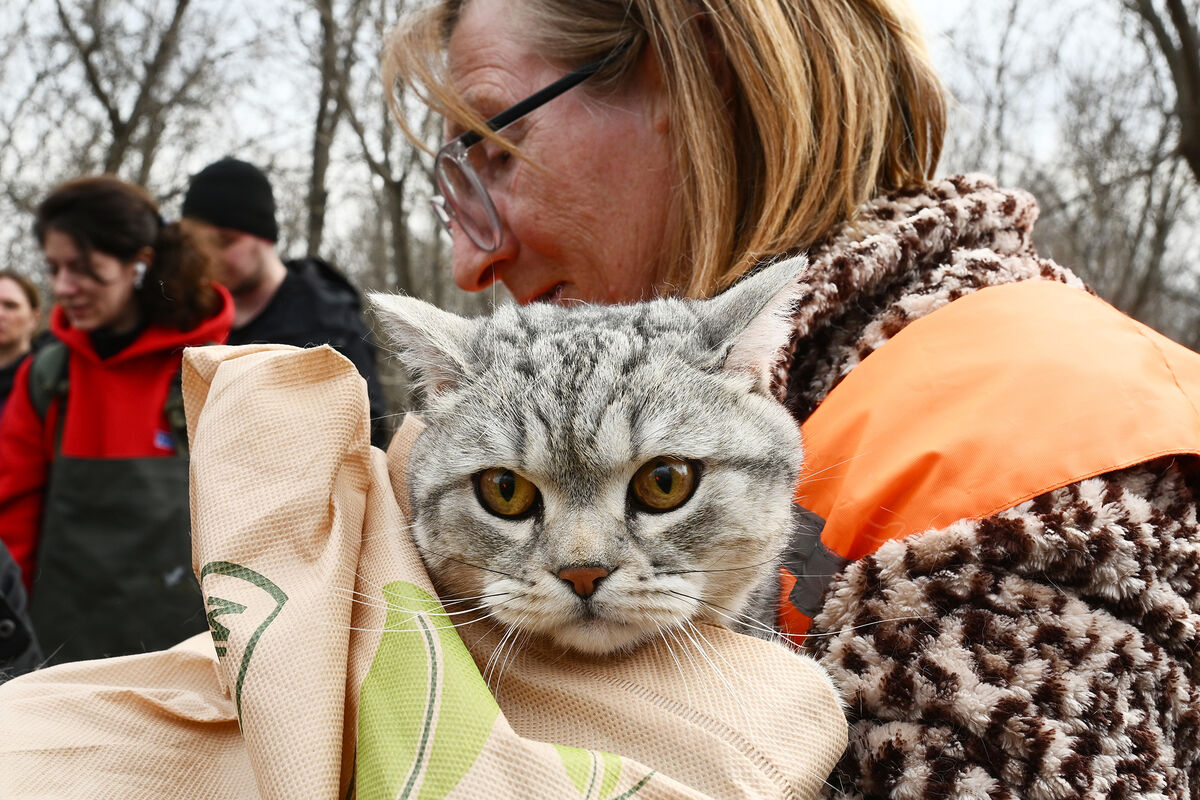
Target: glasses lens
(466,202)
(438,204)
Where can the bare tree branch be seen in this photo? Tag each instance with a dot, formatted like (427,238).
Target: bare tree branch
(87,52)
(336,61)
(1179,45)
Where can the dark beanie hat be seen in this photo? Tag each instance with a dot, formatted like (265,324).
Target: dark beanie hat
(233,194)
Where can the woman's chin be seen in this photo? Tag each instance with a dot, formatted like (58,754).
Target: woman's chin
(83,321)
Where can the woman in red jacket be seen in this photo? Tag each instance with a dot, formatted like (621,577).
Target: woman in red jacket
(93,453)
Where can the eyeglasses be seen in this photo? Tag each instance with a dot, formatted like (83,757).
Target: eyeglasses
(462,195)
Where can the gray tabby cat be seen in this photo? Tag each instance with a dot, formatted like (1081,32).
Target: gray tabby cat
(599,475)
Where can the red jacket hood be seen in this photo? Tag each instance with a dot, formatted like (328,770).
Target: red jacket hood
(156,338)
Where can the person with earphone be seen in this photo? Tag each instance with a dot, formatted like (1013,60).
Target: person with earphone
(93,444)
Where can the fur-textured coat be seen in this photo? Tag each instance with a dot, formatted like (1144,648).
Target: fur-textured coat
(1055,654)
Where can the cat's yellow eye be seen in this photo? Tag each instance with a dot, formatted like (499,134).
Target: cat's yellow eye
(664,483)
(505,493)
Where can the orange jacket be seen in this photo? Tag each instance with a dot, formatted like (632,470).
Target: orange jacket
(992,400)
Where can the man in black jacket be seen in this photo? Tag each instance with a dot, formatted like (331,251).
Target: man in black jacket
(300,302)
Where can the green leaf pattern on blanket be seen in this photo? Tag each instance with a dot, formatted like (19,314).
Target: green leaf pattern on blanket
(585,768)
(425,711)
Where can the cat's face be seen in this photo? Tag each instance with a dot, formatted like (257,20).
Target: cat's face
(602,475)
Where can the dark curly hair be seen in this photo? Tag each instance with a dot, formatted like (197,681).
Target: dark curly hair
(120,219)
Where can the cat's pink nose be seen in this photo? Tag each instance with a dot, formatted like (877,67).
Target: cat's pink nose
(583,579)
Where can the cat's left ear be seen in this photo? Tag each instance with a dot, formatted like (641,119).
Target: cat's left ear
(433,343)
(749,325)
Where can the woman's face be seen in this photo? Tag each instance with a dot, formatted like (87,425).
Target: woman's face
(18,320)
(101,300)
(588,217)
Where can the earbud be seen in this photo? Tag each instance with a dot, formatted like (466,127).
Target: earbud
(139,274)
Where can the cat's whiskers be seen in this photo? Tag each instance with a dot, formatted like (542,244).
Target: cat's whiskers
(355,596)
(750,724)
(497,622)
(403,625)
(477,610)
(771,560)
(458,601)
(849,628)
(504,651)
(704,669)
(820,475)
(383,534)
(501,573)
(493,658)
(692,648)
(380,599)
(518,643)
(379,590)
(442,612)
(706,647)
(751,622)
(669,636)
(731,615)
(475,617)
(696,630)
(358,576)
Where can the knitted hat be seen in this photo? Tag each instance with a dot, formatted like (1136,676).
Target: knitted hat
(233,194)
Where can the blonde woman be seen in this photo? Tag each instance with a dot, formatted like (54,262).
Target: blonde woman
(1007,589)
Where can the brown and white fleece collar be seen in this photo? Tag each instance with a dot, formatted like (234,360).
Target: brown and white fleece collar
(904,256)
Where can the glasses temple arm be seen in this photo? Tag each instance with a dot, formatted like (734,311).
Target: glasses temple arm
(543,96)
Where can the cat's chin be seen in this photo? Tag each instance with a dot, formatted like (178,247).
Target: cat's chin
(596,638)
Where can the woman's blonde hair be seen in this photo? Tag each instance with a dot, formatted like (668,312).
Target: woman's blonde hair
(786,115)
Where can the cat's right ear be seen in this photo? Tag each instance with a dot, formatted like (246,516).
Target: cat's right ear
(432,342)
(750,324)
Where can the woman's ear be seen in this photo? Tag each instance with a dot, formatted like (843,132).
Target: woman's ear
(718,62)
(145,256)
(648,78)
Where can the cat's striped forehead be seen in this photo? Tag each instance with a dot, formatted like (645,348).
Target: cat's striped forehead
(543,338)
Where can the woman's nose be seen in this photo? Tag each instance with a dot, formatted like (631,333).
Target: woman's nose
(475,269)
(61,283)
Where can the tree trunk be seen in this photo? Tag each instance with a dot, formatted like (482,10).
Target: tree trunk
(1182,54)
(327,115)
(401,257)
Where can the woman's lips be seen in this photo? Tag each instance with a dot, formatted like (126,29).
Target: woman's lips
(551,295)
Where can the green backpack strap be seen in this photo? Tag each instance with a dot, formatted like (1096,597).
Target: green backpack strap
(48,376)
(176,418)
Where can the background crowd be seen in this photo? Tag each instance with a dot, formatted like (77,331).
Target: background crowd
(94,506)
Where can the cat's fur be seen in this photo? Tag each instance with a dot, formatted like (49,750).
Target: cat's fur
(576,400)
